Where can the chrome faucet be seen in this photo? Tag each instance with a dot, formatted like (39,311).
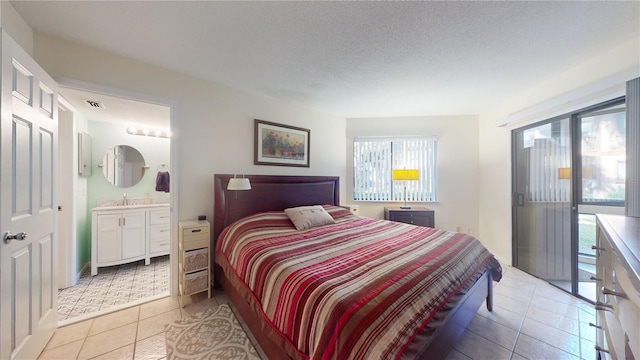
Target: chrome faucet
(124,199)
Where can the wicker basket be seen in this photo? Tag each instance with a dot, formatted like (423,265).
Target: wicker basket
(196,259)
(197,281)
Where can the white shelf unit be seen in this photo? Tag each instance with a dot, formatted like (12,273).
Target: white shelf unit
(194,264)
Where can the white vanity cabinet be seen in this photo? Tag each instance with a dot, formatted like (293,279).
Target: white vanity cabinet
(159,232)
(123,234)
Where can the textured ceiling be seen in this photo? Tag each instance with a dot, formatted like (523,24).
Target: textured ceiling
(353,59)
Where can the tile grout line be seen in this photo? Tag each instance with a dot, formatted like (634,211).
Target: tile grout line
(135,338)
(493,342)
(524,318)
(580,335)
(550,345)
(83,341)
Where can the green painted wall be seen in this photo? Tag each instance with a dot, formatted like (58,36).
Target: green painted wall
(83,225)
(155,152)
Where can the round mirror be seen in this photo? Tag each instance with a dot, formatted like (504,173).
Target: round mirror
(123,166)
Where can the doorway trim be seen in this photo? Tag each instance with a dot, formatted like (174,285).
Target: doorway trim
(173,155)
(67,183)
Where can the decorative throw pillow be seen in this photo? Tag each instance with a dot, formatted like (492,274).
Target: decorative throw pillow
(307,217)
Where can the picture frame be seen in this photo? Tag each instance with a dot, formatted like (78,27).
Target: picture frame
(281,145)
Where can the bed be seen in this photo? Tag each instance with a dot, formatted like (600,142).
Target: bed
(302,298)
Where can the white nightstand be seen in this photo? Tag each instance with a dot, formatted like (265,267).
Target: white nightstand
(194,258)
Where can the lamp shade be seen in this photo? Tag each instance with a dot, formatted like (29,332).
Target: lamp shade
(405,174)
(239,184)
(564,173)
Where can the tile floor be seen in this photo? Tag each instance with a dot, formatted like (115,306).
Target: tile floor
(114,286)
(531,320)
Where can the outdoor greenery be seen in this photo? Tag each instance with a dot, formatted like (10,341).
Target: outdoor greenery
(586,234)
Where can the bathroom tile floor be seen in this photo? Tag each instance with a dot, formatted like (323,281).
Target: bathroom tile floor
(114,286)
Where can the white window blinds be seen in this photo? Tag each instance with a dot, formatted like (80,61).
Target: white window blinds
(375,157)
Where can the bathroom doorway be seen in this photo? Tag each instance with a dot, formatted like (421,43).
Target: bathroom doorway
(105,122)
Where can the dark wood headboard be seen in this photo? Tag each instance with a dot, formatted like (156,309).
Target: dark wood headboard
(269,193)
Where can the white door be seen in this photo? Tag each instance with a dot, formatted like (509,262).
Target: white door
(28,159)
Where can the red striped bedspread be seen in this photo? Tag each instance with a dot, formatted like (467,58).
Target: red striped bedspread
(361,288)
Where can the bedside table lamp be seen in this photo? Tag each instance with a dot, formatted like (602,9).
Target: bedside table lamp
(406,175)
(238,184)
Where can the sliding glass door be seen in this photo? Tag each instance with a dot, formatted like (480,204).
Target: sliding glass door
(542,201)
(566,170)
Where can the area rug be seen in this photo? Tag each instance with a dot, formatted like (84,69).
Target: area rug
(212,334)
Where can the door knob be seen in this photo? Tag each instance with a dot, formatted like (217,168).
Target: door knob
(19,236)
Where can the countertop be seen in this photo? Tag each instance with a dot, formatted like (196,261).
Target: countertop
(129,207)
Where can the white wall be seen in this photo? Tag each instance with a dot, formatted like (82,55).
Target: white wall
(457,154)
(212,123)
(15,26)
(613,67)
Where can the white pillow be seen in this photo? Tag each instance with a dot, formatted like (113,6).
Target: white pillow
(307,217)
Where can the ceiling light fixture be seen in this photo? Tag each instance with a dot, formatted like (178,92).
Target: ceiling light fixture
(149,132)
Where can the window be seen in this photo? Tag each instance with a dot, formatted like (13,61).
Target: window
(547,157)
(603,155)
(375,157)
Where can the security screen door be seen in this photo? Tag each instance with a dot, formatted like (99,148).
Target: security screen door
(566,170)
(542,201)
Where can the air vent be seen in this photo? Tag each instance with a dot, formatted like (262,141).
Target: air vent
(95,104)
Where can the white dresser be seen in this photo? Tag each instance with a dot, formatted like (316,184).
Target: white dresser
(618,295)
(123,234)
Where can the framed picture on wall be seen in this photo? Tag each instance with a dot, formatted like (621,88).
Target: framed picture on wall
(281,145)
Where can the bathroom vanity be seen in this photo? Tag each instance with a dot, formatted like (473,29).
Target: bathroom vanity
(123,234)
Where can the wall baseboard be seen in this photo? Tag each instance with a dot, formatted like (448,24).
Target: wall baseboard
(502,260)
(76,278)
